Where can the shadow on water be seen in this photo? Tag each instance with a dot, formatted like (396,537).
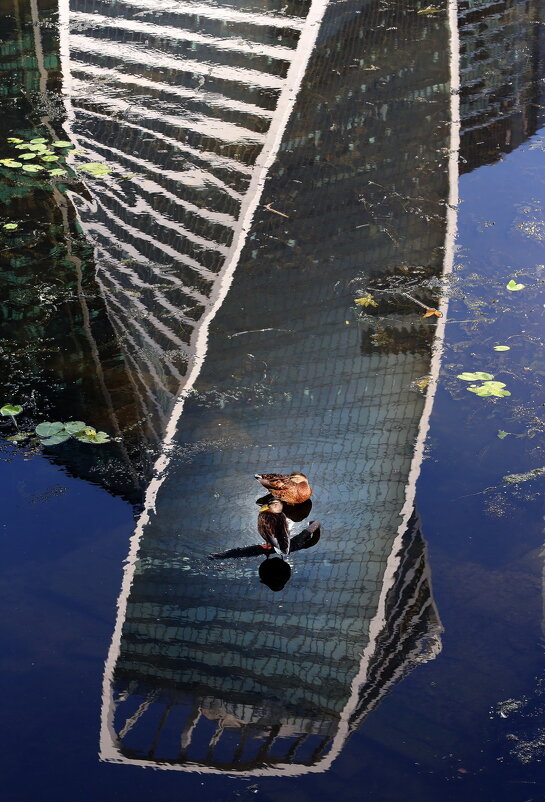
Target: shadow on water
(304,540)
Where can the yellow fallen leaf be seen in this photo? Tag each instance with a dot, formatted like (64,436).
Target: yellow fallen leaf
(366,300)
(430,312)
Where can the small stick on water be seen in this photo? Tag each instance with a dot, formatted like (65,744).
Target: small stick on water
(410,297)
(270,209)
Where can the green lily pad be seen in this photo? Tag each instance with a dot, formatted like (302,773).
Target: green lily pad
(57,171)
(514,287)
(10,226)
(90,435)
(478,376)
(38,141)
(24,146)
(50,158)
(48,429)
(11,409)
(16,438)
(502,348)
(55,439)
(27,156)
(489,389)
(32,168)
(61,143)
(13,140)
(37,148)
(95,168)
(11,163)
(74,426)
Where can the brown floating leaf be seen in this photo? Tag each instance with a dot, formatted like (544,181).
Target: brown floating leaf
(430,312)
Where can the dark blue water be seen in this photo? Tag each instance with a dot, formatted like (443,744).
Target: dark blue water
(465,722)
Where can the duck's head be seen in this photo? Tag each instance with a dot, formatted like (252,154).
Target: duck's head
(298,477)
(273,506)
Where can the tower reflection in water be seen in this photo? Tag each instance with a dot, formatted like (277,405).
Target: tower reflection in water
(209,669)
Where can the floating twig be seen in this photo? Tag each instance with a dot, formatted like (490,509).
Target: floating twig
(270,209)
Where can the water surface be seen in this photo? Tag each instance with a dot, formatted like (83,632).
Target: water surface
(269,165)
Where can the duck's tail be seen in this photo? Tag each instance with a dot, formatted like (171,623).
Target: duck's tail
(282,544)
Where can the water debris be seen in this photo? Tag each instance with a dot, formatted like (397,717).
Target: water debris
(502,435)
(254,331)
(502,348)
(516,478)
(514,287)
(429,10)
(270,209)
(366,300)
(429,310)
(421,384)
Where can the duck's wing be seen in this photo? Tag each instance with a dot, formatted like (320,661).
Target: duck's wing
(266,526)
(283,534)
(274,481)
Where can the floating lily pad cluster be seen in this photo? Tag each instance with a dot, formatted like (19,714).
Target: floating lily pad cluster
(488,388)
(38,155)
(51,434)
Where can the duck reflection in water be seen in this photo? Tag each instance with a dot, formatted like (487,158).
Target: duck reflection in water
(274,573)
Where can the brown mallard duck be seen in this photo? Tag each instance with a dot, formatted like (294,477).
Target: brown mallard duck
(293,489)
(272,525)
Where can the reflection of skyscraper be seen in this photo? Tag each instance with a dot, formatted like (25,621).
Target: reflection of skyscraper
(502,66)
(179,713)
(202,653)
(193,101)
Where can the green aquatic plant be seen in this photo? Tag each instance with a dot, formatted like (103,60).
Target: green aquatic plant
(95,169)
(42,153)
(502,434)
(11,410)
(53,433)
(513,286)
(478,376)
(489,388)
(10,226)
(16,438)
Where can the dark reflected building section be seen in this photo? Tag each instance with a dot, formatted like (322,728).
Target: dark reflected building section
(59,356)
(211,670)
(502,68)
(178,700)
